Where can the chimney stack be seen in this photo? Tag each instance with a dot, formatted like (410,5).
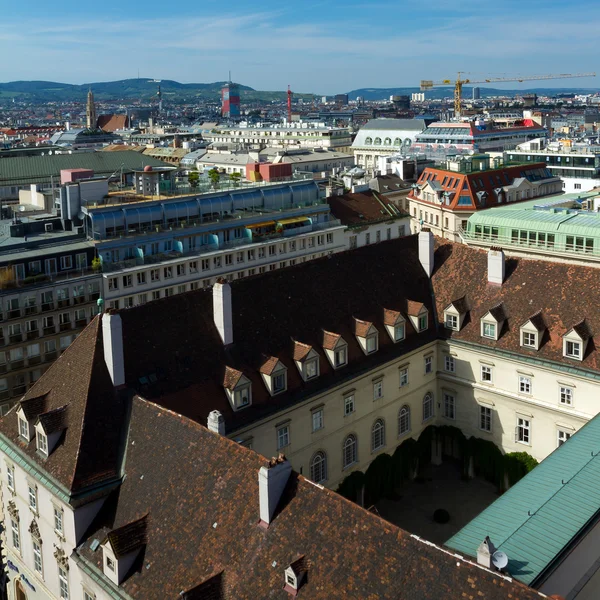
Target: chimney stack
(222,311)
(271,483)
(484,553)
(216,422)
(426,251)
(112,335)
(496,266)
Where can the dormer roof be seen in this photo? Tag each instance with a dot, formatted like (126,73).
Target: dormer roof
(300,566)
(497,312)
(269,364)
(231,378)
(391,317)
(330,340)
(537,320)
(413,309)
(33,407)
(54,420)
(362,328)
(301,351)
(460,305)
(582,330)
(128,538)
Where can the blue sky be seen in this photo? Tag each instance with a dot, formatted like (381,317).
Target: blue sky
(320,46)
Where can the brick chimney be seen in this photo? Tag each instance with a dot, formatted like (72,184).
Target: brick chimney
(496,266)
(271,483)
(112,335)
(222,311)
(426,251)
(216,422)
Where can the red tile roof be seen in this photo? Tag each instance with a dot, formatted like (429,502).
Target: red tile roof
(301,350)
(269,364)
(361,328)
(110,123)
(231,378)
(414,308)
(390,317)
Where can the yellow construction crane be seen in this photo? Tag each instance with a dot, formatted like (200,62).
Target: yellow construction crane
(427,84)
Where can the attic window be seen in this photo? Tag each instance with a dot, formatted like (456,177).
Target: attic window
(372,343)
(279,382)
(488,330)
(572,349)
(399,332)
(423,322)
(42,442)
(110,564)
(451,321)
(340,357)
(24,429)
(242,396)
(311,368)
(529,340)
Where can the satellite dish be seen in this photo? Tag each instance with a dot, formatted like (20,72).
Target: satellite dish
(499,559)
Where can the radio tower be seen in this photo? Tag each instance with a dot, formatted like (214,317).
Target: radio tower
(289,102)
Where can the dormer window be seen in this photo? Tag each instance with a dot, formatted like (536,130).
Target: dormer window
(529,340)
(573,349)
(110,564)
(122,547)
(491,323)
(42,442)
(399,332)
(532,331)
(575,341)
(238,388)
(336,349)
(418,315)
(454,314)
(311,368)
(422,322)
(451,321)
(488,330)
(307,360)
(395,324)
(295,575)
(372,343)
(341,357)
(366,335)
(23,428)
(279,383)
(274,374)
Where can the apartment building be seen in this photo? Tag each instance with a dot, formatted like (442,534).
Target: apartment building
(444,198)
(91,513)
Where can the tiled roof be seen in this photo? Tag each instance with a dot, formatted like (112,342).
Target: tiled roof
(460,305)
(362,208)
(111,123)
(390,317)
(529,286)
(93,421)
(129,537)
(414,308)
(582,330)
(185,355)
(537,519)
(33,406)
(498,312)
(232,376)
(54,420)
(361,328)
(203,532)
(537,320)
(301,350)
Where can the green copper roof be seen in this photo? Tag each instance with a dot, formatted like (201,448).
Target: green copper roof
(538,517)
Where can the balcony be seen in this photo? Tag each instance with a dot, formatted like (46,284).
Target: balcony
(34,360)
(80,322)
(19,390)
(15,365)
(31,310)
(47,306)
(50,356)
(63,303)
(64,327)
(78,300)
(43,280)
(15,337)
(33,335)
(14,314)
(50,330)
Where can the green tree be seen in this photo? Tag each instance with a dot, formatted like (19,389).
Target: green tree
(193,179)
(215,177)
(235,178)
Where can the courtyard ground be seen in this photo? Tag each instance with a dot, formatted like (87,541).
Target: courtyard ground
(438,487)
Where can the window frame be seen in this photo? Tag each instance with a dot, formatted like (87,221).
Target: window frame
(449,403)
(402,328)
(423,322)
(490,334)
(567,436)
(523,431)
(485,372)
(574,344)
(526,344)
(279,376)
(451,317)
(36,545)
(428,402)
(40,436)
(63,583)
(525,385)
(32,497)
(428,365)
(317,417)
(322,466)
(485,418)
(449,364)
(349,401)
(283,436)
(350,442)
(378,435)
(15,534)
(378,389)
(566,392)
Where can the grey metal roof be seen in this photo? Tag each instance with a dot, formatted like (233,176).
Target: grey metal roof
(392,124)
(23,170)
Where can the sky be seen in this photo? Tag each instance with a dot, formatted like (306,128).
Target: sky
(317,46)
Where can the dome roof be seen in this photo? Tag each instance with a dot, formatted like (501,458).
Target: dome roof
(148,168)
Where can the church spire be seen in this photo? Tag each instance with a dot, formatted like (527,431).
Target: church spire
(90,111)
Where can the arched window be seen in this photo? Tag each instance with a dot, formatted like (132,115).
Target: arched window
(427,406)
(387,142)
(378,141)
(368,141)
(377,435)
(404,420)
(350,451)
(318,467)
(397,142)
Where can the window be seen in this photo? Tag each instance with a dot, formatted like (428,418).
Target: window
(66,262)
(451,322)
(279,382)
(404,420)
(367,238)
(154,275)
(524,385)
(88,595)
(529,340)
(399,332)
(350,454)
(37,556)
(348,405)
(427,407)
(58,520)
(449,364)
(318,467)
(180,270)
(523,431)
(168,272)
(63,583)
(141,277)
(428,364)
(283,437)
(10,478)
(42,442)
(113,284)
(317,419)
(16,538)
(377,435)
(340,357)
(449,406)
(422,322)
(486,374)
(372,343)
(563,436)
(489,330)
(378,390)
(403,376)
(110,564)
(311,368)
(573,349)
(485,418)
(566,395)
(24,429)
(127,281)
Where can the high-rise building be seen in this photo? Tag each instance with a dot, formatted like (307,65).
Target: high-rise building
(230,100)
(476,93)
(90,111)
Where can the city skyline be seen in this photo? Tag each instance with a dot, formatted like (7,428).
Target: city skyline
(312,49)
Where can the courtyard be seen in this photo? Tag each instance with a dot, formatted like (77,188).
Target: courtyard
(438,487)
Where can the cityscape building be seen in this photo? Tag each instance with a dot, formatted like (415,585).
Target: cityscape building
(90,111)
(230,101)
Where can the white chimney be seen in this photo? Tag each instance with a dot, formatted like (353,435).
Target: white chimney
(222,311)
(496,266)
(112,334)
(271,483)
(426,251)
(484,553)
(216,422)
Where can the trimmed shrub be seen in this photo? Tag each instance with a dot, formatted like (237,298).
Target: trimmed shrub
(379,479)
(517,465)
(351,486)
